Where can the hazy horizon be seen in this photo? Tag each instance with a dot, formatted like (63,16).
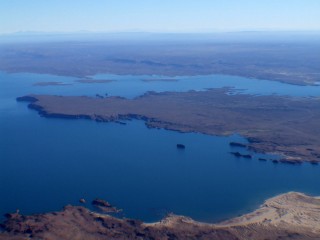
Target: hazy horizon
(160,32)
(155,16)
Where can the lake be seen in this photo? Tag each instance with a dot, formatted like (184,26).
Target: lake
(48,163)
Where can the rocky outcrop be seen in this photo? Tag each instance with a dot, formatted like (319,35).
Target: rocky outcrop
(181,146)
(238,154)
(236,144)
(104,206)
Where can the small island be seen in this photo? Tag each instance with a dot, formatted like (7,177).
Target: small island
(238,154)
(104,206)
(150,80)
(236,144)
(45,84)
(181,146)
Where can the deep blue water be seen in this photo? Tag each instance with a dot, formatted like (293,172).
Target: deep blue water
(48,163)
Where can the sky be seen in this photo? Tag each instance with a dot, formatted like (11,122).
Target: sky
(158,15)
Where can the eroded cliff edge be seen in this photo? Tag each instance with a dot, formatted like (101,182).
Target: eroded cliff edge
(283,125)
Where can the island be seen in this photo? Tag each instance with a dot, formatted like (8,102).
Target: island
(89,80)
(181,146)
(282,125)
(289,216)
(104,206)
(44,84)
(238,154)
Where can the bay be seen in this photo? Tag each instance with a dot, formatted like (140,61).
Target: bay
(48,163)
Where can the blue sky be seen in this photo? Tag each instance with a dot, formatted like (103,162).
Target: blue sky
(158,15)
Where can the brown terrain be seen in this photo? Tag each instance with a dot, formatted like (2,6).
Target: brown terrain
(285,58)
(288,216)
(288,126)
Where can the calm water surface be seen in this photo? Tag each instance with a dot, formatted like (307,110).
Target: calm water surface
(48,163)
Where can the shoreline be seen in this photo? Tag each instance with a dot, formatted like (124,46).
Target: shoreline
(314,82)
(283,216)
(279,125)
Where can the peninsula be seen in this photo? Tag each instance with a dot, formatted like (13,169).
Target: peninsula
(288,126)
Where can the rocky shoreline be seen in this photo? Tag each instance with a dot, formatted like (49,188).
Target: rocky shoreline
(288,216)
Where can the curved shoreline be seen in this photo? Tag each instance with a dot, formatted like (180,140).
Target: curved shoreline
(282,217)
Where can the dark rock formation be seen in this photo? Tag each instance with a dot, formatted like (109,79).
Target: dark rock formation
(238,154)
(236,144)
(290,161)
(104,206)
(181,146)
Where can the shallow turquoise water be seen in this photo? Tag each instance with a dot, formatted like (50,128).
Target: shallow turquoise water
(48,163)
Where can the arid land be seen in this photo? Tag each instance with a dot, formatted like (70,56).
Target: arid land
(288,216)
(288,59)
(288,126)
